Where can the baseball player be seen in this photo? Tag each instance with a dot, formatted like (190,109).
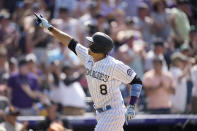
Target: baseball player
(104,75)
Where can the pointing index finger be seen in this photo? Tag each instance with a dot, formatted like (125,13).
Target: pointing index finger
(37,16)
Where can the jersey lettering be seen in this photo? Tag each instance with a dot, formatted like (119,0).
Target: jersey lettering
(97,75)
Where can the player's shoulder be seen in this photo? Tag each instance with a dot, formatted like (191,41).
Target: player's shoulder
(81,48)
(115,61)
(118,64)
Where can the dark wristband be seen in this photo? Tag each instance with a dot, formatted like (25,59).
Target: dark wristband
(133,100)
(50,28)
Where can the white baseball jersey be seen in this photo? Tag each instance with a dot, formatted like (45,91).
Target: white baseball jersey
(104,78)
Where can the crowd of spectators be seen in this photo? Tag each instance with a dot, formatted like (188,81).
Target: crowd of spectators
(157,38)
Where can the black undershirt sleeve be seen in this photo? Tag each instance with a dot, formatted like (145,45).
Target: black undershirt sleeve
(136,80)
(72,45)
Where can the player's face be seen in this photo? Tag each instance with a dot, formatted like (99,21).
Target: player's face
(95,56)
(90,52)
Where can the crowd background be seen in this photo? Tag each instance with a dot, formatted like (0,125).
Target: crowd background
(39,76)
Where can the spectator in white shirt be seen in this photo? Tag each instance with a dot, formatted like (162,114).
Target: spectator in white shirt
(179,71)
(66,90)
(74,102)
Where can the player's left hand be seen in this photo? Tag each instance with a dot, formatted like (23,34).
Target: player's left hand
(41,21)
(130,113)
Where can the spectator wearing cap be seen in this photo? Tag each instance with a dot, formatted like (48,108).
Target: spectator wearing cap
(179,70)
(13,65)
(194,91)
(31,61)
(158,50)
(158,85)
(180,22)
(33,68)
(23,88)
(52,116)
(185,50)
(11,123)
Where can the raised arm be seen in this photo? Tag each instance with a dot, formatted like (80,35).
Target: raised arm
(64,38)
